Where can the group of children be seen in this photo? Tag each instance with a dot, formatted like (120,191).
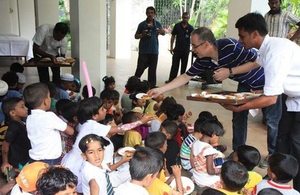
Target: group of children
(86,136)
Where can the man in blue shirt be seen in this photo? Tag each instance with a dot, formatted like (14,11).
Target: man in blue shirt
(222,56)
(148,32)
(182,32)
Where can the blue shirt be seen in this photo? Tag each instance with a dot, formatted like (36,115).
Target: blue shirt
(231,54)
(148,44)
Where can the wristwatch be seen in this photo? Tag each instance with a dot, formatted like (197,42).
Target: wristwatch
(230,73)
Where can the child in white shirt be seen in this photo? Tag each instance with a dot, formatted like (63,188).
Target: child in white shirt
(144,167)
(95,179)
(43,126)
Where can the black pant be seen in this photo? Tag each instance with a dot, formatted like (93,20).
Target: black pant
(147,61)
(288,139)
(44,74)
(177,56)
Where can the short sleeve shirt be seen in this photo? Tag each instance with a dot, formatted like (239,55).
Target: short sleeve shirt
(231,54)
(183,35)
(130,188)
(44,38)
(280,24)
(149,44)
(43,132)
(16,136)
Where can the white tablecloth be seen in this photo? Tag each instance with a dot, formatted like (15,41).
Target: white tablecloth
(13,45)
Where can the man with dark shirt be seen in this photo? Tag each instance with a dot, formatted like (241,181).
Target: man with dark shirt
(148,32)
(182,33)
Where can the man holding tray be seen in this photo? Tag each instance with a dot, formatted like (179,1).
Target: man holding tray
(281,61)
(222,56)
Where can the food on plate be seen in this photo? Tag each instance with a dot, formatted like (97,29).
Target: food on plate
(129,153)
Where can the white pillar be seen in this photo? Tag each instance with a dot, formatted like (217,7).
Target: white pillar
(46,12)
(238,8)
(88,31)
(120,29)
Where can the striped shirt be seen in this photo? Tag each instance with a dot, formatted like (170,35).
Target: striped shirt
(280,24)
(185,151)
(231,54)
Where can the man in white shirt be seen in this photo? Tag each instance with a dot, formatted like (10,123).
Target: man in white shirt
(49,41)
(281,62)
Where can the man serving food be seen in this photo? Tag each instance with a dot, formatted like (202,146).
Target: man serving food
(223,56)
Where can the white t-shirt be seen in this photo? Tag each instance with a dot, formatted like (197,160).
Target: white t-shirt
(281,62)
(43,132)
(283,188)
(130,188)
(89,172)
(204,149)
(73,159)
(17,191)
(44,38)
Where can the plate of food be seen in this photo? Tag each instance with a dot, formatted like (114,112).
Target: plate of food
(188,185)
(143,96)
(126,151)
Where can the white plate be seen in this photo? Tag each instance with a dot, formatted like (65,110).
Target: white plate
(122,151)
(185,182)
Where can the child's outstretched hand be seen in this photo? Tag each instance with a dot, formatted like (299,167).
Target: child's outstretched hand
(147,118)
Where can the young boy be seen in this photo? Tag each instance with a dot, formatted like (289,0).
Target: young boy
(185,150)
(250,157)
(234,176)
(16,144)
(170,128)
(43,126)
(132,137)
(282,169)
(158,141)
(26,180)
(57,181)
(66,82)
(143,167)
(11,78)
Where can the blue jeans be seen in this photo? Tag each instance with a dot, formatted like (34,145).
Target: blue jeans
(240,122)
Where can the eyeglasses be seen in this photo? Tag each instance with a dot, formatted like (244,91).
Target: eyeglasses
(196,46)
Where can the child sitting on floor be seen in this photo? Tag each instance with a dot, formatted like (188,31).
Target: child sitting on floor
(205,159)
(282,169)
(144,167)
(43,126)
(130,87)
(170,128)
(234,176)
(56,181)
(249,156)
(16,144)
(132,137)
(109,83)
(158,141)
(95,179)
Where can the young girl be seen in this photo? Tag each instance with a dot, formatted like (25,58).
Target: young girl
(90,112)
(204,158)
(138,100)
(94,174)
(109,83)
(130,87)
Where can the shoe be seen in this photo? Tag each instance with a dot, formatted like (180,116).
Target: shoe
(264,163)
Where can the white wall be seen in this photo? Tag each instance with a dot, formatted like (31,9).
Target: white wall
(46,11)
(238,8)
(9,17)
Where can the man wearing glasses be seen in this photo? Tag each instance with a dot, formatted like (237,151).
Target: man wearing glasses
(221,56)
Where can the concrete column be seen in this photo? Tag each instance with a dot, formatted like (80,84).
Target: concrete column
(88,32)
(120,29)
(238,8)
(46,12)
